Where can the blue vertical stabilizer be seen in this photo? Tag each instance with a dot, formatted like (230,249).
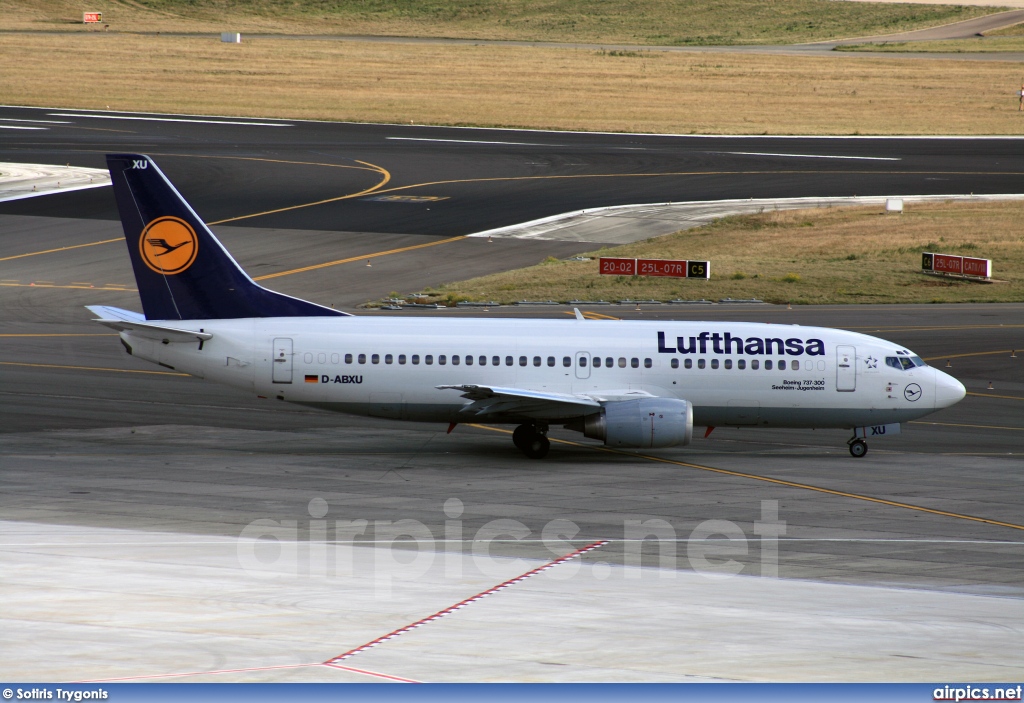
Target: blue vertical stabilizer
(182,271)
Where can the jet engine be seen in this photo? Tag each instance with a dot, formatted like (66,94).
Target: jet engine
(644,423)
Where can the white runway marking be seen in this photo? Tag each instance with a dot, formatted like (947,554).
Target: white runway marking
(461,141)
(11,126)
(812,156)
(15,119)
(169,119)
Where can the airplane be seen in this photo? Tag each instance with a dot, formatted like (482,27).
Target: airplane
(629,384)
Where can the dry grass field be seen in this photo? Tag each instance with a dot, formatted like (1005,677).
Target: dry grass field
(576,89)
(670,22)
(827,256)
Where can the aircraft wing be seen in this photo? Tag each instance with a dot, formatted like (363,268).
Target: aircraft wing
(490,401)
(128,321)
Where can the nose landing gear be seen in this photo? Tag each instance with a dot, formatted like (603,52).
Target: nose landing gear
(531,440)
(858,447)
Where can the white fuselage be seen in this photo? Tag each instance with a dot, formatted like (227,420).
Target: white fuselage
(733,373)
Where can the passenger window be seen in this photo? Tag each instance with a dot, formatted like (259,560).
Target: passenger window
(455,359)
(335,358)
(415,359)
(536,361)
(728,363)
(375,359)
(508,361)
(388,358)
(597,362)
(741,363)
(768,365)
(469,360)
(754,364)
(634,362)
(714,363)
(428,359)
(688,363)
(583,361)
(782,364)
(522,361)
(321,358)
(401,358)
(648,363)
(348,358)
(442,359)
(622,362)
(700,363)
(609,362)
(308,358)
(566,361)
(362,358)
(821,366)
(675,363)
(551,361)
(482,360)
(495,361)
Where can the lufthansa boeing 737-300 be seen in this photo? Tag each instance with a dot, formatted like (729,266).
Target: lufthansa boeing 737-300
(632,384)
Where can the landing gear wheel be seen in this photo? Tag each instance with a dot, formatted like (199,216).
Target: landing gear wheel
(531,441)
(522,435)
(858,448)
(537,447)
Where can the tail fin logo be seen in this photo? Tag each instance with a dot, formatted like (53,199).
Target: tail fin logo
(168,245)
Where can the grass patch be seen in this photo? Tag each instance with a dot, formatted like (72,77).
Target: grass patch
(850,255)
(1014,30)
(671,22)
(487,85)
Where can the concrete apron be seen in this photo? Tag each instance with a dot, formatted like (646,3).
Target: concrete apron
(99,603)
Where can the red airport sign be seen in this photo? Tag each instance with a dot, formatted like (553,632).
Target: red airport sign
(977,267)
(618,267)
(951,265)
(661,267)
(92,17)
(655,267)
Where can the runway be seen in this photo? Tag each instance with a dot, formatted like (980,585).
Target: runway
(130,493)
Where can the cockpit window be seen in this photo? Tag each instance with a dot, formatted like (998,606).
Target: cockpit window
(918,361)
(900,362)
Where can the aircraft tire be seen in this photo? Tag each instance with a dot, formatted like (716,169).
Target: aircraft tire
(858,448)
(522,435)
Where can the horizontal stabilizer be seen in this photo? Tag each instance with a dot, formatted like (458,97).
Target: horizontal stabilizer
(108,312)
(156,332)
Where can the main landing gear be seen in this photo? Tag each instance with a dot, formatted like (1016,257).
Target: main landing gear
(858,447)
(531,440)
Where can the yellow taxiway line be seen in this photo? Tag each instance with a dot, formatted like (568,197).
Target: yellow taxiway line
(780,482)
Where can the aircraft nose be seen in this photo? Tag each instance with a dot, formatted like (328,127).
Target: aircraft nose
(948,390)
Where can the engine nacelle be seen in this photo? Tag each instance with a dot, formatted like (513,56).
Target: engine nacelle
(645,423)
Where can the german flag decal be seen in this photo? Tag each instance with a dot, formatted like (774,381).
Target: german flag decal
(312,379)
